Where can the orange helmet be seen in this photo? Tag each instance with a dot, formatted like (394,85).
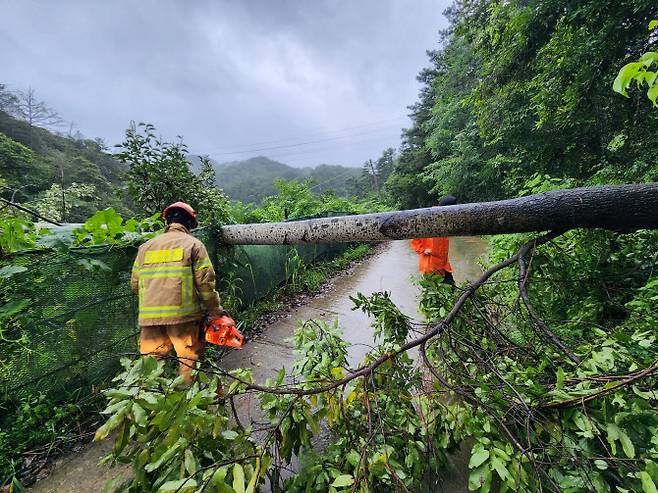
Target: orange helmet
(181,205)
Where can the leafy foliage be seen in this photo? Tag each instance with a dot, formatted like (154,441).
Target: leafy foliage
(296,200)
(529,414)
(38,420)
(523,88)
(640,73)
(159,174)
(56,203)
(18,234)
(177,440)
(107,227)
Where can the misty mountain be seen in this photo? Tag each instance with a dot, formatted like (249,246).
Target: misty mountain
(253,179)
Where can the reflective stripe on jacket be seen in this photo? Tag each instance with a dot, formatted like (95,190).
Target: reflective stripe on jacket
(174,279)
(437,260)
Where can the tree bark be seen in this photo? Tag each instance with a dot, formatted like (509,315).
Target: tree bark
(623,208)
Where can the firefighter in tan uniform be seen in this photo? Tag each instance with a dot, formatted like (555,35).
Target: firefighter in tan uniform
(175,282)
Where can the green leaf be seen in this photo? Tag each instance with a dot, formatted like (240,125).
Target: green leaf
(353,458)
(478,458)
(110,425)
(560,379)
(122,438)
(9,270)
(230,434)
(500,467)
(479,478)
(652,93)
(218,477)
(179,486)
(280,376)
(238,478)
(139,414)
(649,57)
(613,436)
(648,486)
(627,445)
(625,76)
(652,468)
(169,454)
(12,308)
(120,393)
(190,462)
(111,485)
(616,433)
(653,24)
(343,480)
(601,464)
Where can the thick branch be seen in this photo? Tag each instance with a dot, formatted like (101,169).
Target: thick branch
(621,208)
(436,329)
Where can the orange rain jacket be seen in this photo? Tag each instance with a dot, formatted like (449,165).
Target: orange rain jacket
(437,260)
(174,279)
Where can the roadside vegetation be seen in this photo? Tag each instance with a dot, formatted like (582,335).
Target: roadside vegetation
(43,424)
(545,368)
(39,424)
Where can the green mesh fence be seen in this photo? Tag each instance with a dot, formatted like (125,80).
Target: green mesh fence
(262,267)
(78,314)
(74,312)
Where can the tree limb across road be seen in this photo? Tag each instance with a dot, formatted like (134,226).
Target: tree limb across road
(621,208)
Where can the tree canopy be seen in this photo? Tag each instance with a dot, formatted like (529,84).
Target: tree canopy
(525,88)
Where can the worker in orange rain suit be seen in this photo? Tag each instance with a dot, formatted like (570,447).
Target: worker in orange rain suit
(433,252)
(175,282)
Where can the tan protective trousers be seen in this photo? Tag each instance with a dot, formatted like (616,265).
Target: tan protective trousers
(159,340)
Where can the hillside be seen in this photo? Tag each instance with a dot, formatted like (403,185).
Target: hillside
(32,159)
(253,179)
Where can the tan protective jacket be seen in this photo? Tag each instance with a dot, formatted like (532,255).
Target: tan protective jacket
(174,279)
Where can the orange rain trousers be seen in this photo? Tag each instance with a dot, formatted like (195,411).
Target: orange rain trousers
(159,340)
(436,261)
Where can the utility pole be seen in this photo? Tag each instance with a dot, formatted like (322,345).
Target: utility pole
(374,174)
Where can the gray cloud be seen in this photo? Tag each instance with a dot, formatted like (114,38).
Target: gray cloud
(228,74)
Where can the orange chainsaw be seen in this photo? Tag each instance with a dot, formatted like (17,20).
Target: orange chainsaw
(222,331)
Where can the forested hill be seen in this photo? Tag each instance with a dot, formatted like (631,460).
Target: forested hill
(253,179)
(35,163)
(68,178)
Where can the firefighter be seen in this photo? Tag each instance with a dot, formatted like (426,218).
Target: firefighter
(433,252)
(175,282)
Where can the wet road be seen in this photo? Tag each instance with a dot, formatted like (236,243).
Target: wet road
(392,270)
(389,270)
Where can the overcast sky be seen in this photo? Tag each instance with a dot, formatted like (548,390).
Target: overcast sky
(304,82)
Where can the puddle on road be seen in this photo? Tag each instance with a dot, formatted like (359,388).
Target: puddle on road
(389,270)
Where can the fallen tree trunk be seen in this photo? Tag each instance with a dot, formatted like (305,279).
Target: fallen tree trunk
(620,207)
